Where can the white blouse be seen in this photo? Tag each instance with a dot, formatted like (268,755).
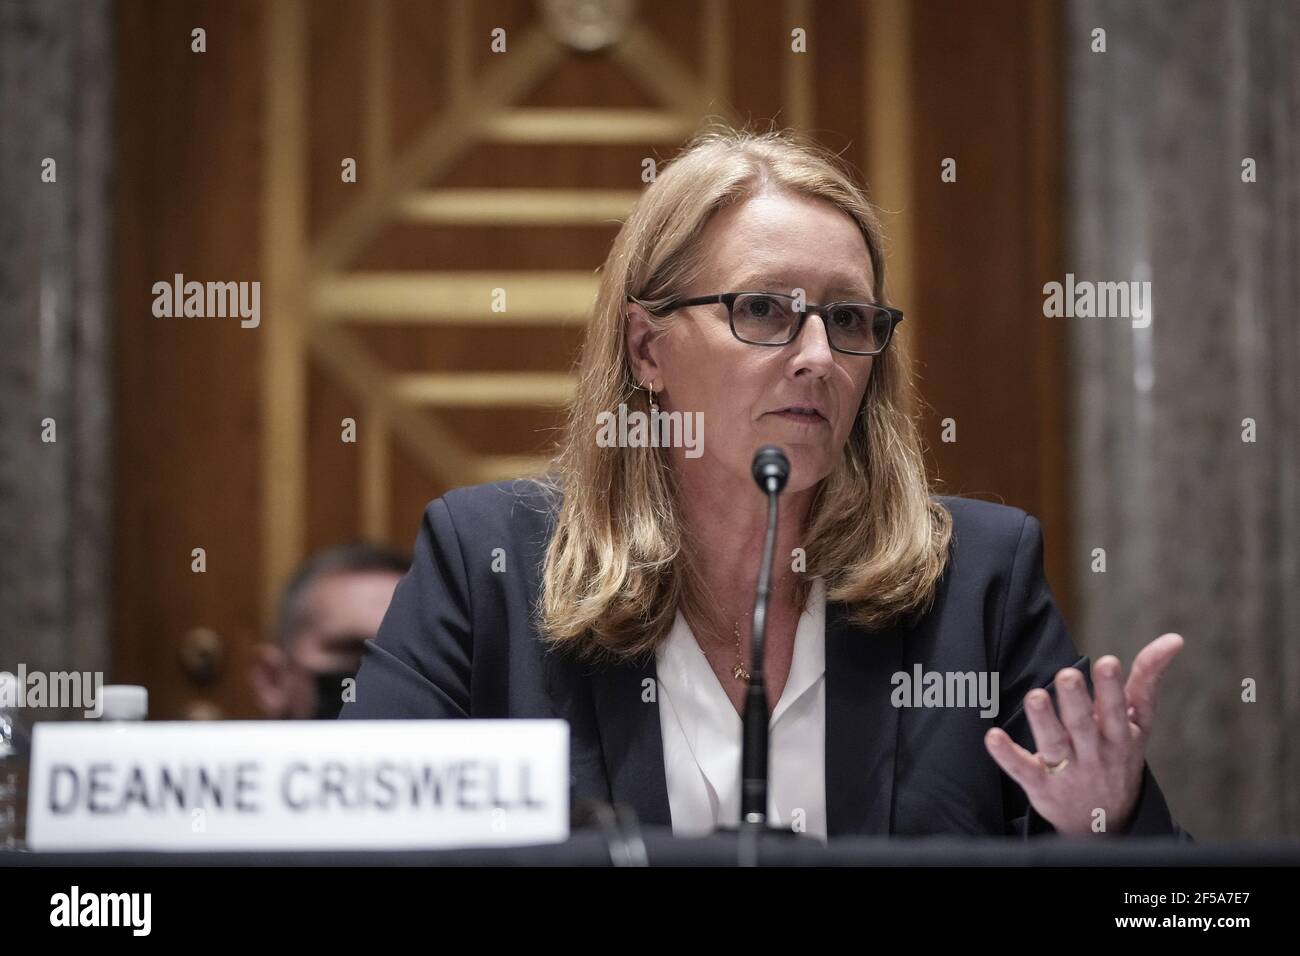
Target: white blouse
(701,733)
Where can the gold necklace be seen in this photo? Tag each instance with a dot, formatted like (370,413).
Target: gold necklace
(739,672)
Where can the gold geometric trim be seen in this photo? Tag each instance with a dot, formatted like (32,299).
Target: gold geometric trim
(659,70)
(537,124)
(453,298)
(518,207)
(433,444)
(797,77)
(376,472)
(484,389)
(889,102)
(283,370)
(717,65)
(441,142)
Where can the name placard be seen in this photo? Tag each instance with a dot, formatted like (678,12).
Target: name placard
(265,785)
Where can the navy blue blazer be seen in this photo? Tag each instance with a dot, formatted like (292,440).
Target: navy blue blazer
(458,641)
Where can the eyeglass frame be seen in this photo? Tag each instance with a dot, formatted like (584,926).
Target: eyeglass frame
(729,300)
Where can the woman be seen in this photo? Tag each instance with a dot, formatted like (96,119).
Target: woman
(614,594)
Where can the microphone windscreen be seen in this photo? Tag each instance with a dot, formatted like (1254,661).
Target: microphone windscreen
(770,464)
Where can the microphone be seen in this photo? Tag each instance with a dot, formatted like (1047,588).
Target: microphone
(771,470)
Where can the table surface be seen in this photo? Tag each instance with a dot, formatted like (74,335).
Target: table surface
(658,847)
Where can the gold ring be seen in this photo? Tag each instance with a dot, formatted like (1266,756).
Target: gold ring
(1056,767)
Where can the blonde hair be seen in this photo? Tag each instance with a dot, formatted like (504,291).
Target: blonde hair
(618,565)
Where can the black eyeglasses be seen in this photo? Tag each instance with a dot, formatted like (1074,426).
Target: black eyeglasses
(770,318)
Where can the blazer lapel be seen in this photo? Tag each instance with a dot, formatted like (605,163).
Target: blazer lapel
(861,730)
(861,725)
(630,739)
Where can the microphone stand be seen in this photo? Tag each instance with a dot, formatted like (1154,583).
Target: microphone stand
(754,752)
(771,470)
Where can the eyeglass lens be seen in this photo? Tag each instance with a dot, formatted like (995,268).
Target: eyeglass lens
(769,319)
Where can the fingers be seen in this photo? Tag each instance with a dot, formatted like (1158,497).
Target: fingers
(1110,701)
(1144,680)
(1075,704)
(1050,738)
(1020,765)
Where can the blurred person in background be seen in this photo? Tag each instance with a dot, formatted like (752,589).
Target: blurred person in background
(333,604)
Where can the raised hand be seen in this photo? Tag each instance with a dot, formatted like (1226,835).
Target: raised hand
(1091,757)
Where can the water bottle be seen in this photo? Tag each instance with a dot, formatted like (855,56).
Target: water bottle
(124,702)
(15,752)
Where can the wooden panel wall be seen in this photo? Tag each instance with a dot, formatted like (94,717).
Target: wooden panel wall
(193,154)
(988,95)
(189,177)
